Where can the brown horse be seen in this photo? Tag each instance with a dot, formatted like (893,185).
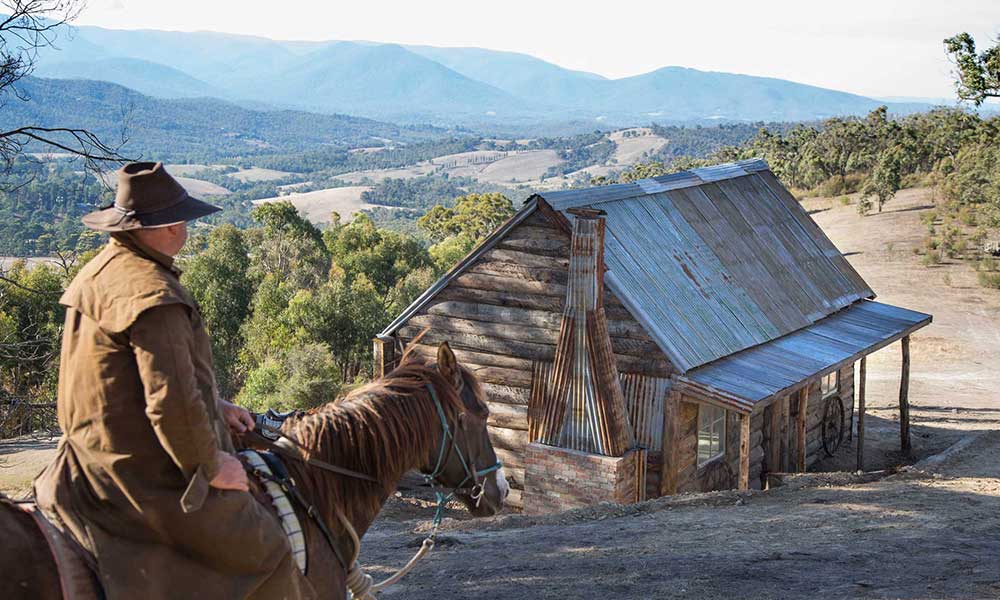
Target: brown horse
(423,415)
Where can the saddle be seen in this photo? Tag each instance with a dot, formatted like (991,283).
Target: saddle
(78,577)
(77,569)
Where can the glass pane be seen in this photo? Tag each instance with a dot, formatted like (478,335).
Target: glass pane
(711,432)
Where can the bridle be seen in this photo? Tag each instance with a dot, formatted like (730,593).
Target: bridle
(449,439)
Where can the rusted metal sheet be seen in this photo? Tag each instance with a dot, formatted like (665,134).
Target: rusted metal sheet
(644,398)
(777,367)
(578,402)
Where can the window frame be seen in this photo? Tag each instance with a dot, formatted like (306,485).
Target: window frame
(834,389)
(718,419)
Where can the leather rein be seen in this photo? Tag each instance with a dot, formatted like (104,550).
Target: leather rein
(304,455)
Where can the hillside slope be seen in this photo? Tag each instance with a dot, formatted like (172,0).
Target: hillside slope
(198,126)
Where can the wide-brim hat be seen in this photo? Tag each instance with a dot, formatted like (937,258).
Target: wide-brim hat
(147,196)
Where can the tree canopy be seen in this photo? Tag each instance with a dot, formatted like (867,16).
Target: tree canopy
(977,74)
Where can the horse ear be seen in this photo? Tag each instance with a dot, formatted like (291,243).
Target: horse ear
(447,365)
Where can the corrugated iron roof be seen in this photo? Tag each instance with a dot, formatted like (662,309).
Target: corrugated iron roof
(773,368)
(713,261)
(710,261)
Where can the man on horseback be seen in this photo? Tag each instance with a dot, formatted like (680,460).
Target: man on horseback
(145,478)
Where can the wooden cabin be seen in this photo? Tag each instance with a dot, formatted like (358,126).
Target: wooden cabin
(690,332)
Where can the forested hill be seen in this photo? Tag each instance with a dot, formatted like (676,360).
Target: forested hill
(193,128)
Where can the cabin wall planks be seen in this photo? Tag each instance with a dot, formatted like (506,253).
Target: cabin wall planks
(505,317)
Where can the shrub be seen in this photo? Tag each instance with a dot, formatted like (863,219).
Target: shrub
(933,257)
(989,280)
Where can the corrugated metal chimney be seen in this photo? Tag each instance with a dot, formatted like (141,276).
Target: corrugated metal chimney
(584,408)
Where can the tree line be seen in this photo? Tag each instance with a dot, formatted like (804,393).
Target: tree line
(291,308)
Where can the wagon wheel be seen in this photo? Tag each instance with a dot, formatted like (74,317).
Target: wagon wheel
(833,425)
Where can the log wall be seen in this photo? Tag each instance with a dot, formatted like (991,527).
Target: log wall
(504,312)
(724,473)
(720,474)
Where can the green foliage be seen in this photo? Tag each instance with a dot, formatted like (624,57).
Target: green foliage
(287,244)
(931,258)
(977,75)
(418,192)
(328,291)
(383,257)
(883,183)
(41,206)
(475,216)
(304,377)
(449,251)
(972,179)
(218,277)
(989,280)
(30,327)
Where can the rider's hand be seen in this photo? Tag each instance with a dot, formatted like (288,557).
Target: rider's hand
(237,418)
(231,475)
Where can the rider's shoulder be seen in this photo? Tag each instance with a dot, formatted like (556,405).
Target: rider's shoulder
(116,286)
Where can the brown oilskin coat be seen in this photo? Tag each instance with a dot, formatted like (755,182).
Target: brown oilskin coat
(141,427)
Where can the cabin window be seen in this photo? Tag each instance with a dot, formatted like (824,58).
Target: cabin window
(829,385)
(711,433)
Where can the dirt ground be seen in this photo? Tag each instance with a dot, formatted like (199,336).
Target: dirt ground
(919,534)
(924,531)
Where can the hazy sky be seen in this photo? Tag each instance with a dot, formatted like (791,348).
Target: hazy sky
(871,47)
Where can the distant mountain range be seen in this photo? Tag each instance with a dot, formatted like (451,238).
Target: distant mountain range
(192,129)
(423,84)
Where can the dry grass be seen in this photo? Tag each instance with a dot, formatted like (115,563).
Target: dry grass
(319,205)
(631,144)
(197,187)
(259,174)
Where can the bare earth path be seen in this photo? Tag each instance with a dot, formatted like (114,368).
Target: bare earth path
(911,535)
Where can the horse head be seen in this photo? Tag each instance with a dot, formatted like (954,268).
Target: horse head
(465,460)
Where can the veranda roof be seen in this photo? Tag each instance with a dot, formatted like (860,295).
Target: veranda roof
(776,368)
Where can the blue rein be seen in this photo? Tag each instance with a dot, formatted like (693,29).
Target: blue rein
(470,472)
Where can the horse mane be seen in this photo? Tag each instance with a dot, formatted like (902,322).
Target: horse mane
(383,429)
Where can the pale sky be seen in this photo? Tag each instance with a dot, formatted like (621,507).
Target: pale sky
(870,47)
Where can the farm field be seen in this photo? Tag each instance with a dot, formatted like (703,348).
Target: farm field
(487,165)
(632,144)
(188,170)
(197,187)
(259,174)
(317,206)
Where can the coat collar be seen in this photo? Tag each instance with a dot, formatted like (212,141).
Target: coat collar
(129,240)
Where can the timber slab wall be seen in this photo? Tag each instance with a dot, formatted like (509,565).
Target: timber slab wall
(503,314)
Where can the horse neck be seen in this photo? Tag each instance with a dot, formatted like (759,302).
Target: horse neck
(378,434)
